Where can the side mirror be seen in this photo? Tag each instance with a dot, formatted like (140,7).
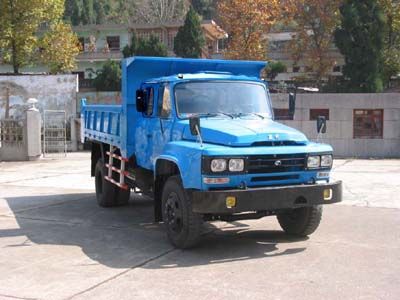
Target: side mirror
(194,124)
(141,100)
(292,104)
(321,124)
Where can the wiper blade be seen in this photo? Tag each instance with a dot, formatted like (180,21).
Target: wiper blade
(246,114)
(225,114)
(214,114)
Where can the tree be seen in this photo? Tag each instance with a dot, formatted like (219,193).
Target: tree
(76,12)
(126,12)
(87,13)
(360,39)
(205,8)
(130,50)
(109,77)
(68,10)
(59,47)
(247,22)
(151,47)
(190,39)
(316,21)
(160,11)
(122,12)
(274,68)
(392,39)
(19,22)
(145,47)
(99,7)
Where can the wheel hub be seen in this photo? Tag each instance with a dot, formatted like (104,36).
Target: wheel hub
(173,213)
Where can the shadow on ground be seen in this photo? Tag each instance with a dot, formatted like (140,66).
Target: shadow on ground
(126,237)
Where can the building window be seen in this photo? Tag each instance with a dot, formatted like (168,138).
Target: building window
(144,35)
(316,112)
(368,123)
(282,114)
(113,43)
(81,75)
(170,41)
(159,35)
(222,44)
(337,69)
(296,69)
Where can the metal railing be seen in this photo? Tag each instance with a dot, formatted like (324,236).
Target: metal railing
(11,132)
(86,83)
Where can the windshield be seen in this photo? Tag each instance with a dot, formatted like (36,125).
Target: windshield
(223,98)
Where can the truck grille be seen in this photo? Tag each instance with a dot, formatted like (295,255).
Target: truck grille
(276,163)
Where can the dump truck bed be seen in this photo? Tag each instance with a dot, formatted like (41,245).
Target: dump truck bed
(102,123)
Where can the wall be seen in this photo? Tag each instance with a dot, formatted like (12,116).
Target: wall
(13,140)
(340,125)
(98,98)
(53,92)
(20,140)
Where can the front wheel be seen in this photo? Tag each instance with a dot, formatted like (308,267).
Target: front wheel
(301,221)
(182,224)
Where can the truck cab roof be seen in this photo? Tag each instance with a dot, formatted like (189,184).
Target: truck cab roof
(138,70)
(206,75)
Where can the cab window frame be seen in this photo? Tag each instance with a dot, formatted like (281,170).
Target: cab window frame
(150,91)
(160,101)
(260,83)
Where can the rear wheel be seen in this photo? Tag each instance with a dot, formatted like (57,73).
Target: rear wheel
(301,221)
(182,224)
(108,194)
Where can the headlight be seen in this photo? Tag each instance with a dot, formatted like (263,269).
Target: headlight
(218,165)
(236,165)
(326,161)
(313,162)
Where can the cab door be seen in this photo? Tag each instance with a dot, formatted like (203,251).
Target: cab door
(159,131)
(143,128)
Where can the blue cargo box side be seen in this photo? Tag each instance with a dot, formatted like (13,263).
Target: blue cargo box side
(101,123)
(109,123)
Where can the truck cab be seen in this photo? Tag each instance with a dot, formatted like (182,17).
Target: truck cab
(202,141)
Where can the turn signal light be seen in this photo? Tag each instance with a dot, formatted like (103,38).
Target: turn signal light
(328,194)
(230,201)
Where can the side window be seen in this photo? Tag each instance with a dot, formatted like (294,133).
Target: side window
(316,112)
(368,123)
(282,114)
(164,102)
(150,102)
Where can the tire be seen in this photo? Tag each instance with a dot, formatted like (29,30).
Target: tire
(301,221)
(183,226)
(108,194)
(123,196)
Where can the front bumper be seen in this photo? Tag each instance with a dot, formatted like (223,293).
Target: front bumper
(265,199)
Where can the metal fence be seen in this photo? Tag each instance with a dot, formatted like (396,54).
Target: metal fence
(54,132)
(11,133)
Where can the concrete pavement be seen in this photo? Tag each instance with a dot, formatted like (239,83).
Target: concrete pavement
(55,243)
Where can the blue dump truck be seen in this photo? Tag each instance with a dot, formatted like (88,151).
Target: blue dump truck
(199,137)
